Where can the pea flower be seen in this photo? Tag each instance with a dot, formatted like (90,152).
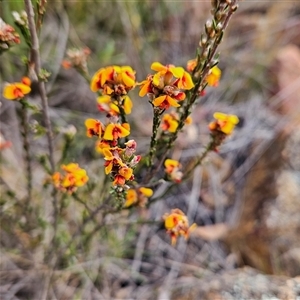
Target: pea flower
(177,224)
(172,168)
(191,64)
(125,173)
(138,196)
(165,88)
(113,80)
(224,123)
(115,131)
(113,160)
(169,123)
(213,76)
(17,90)
(94,128)
(73,177)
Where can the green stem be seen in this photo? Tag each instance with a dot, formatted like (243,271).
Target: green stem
(153,143)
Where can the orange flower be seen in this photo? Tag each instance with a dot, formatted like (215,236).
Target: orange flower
(172,168)
(164,102)
(214,76)
(100,78)
(109,78)
(124,174)
(112,159)
(125,75)
(191,64)
(171,165)
(169,123)
(184,80)
(100,145)
(146,86)
(15,91)
(139,196)
(116,131)
(93,128)
(73,178)
(177,224)
(224,123)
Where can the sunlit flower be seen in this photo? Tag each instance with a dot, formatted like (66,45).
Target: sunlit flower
(172,168)
(131,197)
(213,76)
(73,178)
(100,145)
(146,86)
(191,64)
(113,79)
(100,78)
(125,173)
(224,123)
(177,224)
(184,80)
(138,197)
(169,123)
(170,165)
(164,102)
(116,131)
(93,128)
(127,105)
(16,90)
(112,159)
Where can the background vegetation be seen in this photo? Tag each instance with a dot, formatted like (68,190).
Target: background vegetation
(245,199)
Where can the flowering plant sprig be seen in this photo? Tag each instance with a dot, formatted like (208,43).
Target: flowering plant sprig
(8,36)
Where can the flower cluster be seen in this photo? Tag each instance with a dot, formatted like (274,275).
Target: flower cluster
(177,224)
(170,122)
(17,90)
(114,83)
(172,168)
(8,36)
(119,162)
(138,196)
(165,88)
(72,178)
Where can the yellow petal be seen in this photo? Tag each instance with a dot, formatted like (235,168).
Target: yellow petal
(127,105)
(159,100)
(177,72)
(172,102)
(108,134)
(187,81)
(128,81)
(146,191)
(220,116)
(156,66)
(104,99)
(144,89)
(131,198)
(123,131)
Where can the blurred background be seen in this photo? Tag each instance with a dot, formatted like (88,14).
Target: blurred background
(244,199)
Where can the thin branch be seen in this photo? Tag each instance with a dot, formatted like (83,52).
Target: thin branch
(34,71)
